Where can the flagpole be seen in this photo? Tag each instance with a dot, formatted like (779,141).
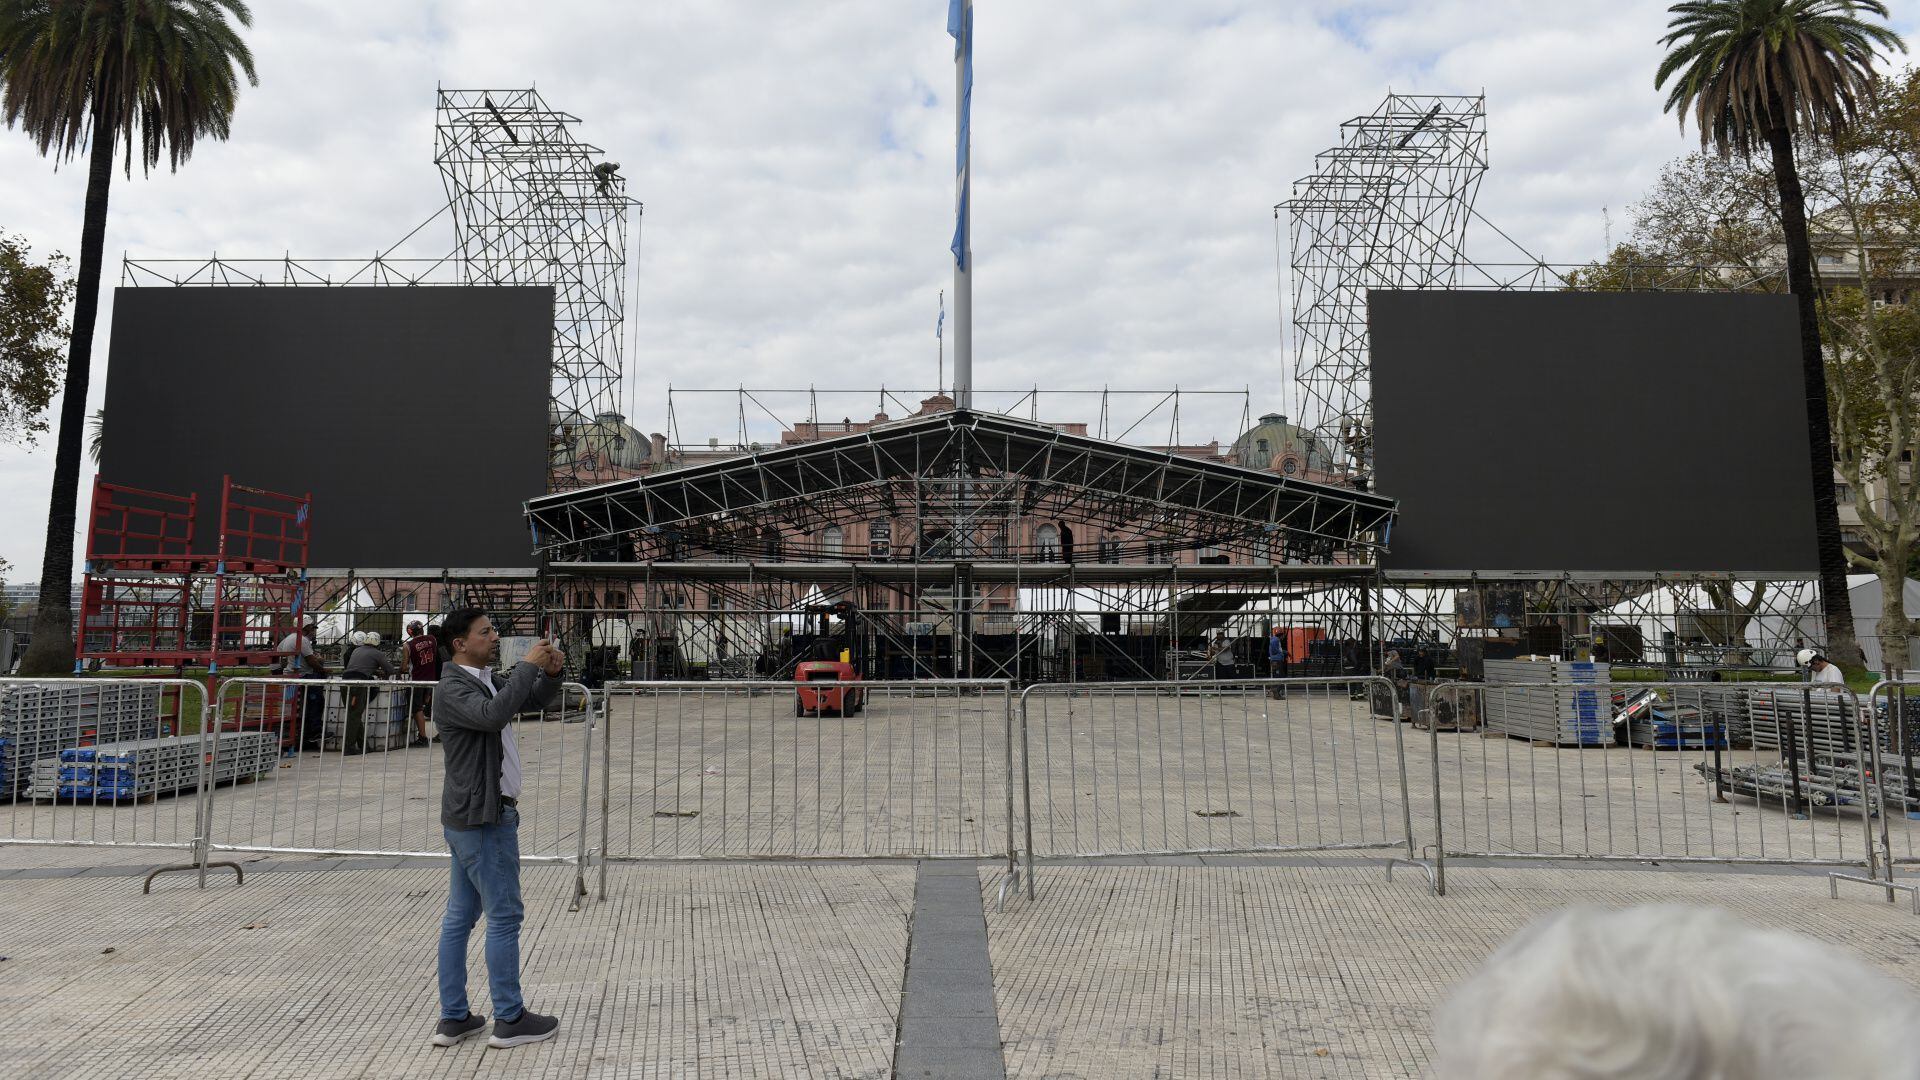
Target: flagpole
(963,229)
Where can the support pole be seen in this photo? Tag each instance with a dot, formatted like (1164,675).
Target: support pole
(963,216)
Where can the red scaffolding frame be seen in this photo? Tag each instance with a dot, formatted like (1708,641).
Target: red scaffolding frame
(149,600)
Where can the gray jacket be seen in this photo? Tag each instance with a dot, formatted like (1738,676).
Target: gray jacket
(470,723)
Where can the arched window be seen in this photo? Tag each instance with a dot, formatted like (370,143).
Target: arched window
(1047,539)
(833,541)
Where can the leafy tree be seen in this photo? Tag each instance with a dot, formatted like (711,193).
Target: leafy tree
(1759,73)
(33,332)
(1867,182)
(1707,223)
(154,77)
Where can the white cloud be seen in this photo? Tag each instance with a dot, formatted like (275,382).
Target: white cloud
(796,165)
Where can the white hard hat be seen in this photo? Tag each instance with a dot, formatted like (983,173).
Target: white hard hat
(356,638)
(372,638)
(1805,657)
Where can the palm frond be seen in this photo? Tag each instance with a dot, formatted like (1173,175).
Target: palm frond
(1741,67)
(153,75)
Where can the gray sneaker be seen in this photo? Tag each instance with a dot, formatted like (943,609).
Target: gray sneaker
(530,1027)
(456,1031)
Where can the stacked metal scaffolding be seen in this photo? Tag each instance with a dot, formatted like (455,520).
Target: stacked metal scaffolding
(1385,208)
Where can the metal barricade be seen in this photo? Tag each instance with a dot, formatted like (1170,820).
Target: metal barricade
(1895,764)
(1655,771)
(1215,767)
(783,770)
(350,780)
(110,762)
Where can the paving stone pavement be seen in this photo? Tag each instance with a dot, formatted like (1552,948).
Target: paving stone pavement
(1152,971)
(1230,967)
(685,971)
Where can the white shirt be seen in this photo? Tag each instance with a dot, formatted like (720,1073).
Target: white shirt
(509,749)
(288,646)
(1829,674)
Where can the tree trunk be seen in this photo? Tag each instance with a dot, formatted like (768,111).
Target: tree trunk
(1836,606)
(1894,628)
(52,650)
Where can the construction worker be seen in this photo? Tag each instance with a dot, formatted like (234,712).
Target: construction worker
(366,663)
(1277,661)
(423,666)
(1820,671)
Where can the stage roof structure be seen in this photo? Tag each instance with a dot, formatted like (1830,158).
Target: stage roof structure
(957,480)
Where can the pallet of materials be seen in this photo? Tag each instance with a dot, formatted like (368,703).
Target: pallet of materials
(1452,711)
(1665,726)
(1720,704)
(386,715)
(1821,723)
(1574,709)
(38,721)
(144,768)
(1774,784)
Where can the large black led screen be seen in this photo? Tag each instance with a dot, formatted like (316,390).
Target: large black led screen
(1567,431)
(416,417)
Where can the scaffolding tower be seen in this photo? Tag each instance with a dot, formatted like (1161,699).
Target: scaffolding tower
(1386,208)
(533,205)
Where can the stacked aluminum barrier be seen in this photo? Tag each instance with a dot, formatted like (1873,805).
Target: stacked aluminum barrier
(48,719)
(1762,773)
(146,768)
(385,800)
(744,769)
(1214,767)
(38,720)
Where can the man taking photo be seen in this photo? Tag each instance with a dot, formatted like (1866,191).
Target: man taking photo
(474,712)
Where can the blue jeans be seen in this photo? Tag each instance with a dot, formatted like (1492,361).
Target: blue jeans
(486,877)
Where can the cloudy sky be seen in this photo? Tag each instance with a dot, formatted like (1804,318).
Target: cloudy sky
(795,161)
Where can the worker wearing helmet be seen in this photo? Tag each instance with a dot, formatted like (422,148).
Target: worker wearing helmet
(366,663)
(1820,670)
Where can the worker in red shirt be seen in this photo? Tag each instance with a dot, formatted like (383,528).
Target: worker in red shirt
(423,665)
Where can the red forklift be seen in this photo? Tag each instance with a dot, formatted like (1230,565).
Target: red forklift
(831,687)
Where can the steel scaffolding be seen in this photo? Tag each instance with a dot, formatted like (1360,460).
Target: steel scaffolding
(1386,208)
(531,205)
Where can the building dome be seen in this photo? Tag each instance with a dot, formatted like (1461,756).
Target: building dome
(1275,445)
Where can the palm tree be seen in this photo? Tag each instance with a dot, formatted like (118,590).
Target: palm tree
(154,76)
(1767,71)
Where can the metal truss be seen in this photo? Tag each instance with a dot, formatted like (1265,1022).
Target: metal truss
(1067,623)
(957,483)
(380,600)
(1097,622)
(766,414)
(531,205)
(1385,208)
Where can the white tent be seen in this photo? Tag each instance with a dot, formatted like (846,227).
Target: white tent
(1863,591)
(1791,612)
